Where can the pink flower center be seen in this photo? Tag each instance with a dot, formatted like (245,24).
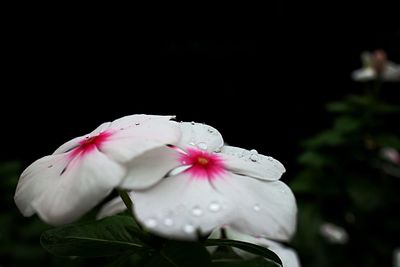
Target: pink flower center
(90,143)
(203,165)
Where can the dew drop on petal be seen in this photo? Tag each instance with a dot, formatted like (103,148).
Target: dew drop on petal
(214,206)
(137,123)
(254,157)
(256,207)
(50,166)
(193,123)
(168,221)
(253,151)
(188,228)
(210,130)
(202,146)
(151,223)
(197,211)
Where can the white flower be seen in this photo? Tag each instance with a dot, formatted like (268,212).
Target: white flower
(288,256)
(199,185)
(390,154)
(396,257)
(63,186)
(375,65)
(333,233)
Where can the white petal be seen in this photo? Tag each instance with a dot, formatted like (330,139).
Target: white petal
(75,142)
(137,119)
(391,72)
(36,179)
(180,206)
(251,163)
(288,256)
(362,75)
(262,208)
(150,167)
(113,207)
(200,135)
(125,144)
(65,196)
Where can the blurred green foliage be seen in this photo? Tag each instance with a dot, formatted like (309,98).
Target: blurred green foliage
(343,182)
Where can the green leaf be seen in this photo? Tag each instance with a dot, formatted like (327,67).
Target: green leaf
(252,248)
(256,262)
(180,254)
(110,236)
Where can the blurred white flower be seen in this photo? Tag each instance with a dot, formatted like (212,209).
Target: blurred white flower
(391,155)
(376,65)
(198,185)
(63,186)
(396,257)
(288,256)
(333,233)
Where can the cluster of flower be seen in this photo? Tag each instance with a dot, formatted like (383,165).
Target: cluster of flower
(183,180)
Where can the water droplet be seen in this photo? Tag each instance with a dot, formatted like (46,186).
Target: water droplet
(192,143)
(270,158)
(138,123)
(168,221)
(122,129)
(256,207)
(193,123)
(210,130)
(253,157)
(214,206)
(188,228)
(202,146)
(197,211)
(50,166)
(151,223)
(253,151)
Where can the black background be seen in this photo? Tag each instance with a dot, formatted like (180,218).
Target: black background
(260,75)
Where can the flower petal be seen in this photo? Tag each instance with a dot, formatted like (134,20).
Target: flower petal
(262,208)
(363,75)
(250,163)
(150,167)
(200,135)
(180,207)
(113,207)
(64,192)
(75,142)
(137,119)
(288,256)
(126,143)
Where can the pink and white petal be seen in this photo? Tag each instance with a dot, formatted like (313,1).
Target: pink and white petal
(263,208)
(137,119)
(123,145)
(200,135)
(150,167)
(180,207)
(39,177)
(113,207)
(250,163)
(68,146)
(86,181)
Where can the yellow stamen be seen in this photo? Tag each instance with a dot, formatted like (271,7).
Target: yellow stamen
(202,161)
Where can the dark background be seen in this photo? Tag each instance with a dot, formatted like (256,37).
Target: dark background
(261,76)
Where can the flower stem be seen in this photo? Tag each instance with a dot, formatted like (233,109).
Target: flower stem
(129,205)
(126,199)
